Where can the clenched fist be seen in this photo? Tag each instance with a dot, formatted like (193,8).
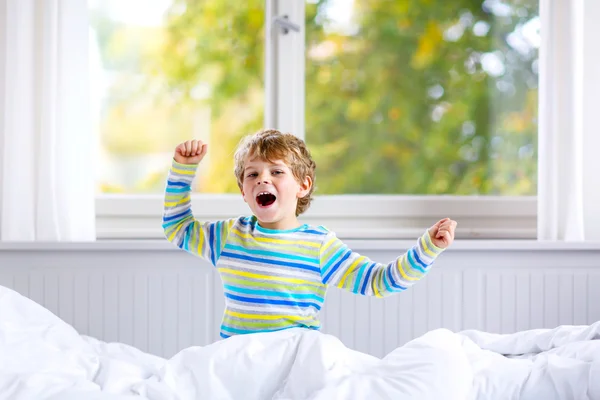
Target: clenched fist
(190,152)
(442,233)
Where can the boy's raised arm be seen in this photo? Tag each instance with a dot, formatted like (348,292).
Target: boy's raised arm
(205,239)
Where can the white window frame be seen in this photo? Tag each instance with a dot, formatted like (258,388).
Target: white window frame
(351,216)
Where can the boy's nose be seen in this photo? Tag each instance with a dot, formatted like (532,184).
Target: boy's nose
(263,179)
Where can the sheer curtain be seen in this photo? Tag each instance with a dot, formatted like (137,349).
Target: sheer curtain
(568,183)
(46,144)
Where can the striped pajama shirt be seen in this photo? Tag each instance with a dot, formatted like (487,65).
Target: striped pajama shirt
(277,279)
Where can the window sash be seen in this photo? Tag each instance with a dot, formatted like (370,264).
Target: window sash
(350,216)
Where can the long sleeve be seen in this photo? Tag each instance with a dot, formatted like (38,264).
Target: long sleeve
(204,239)
(347,269)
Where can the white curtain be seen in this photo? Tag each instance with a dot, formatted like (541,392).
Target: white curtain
(568,183)
(46,178)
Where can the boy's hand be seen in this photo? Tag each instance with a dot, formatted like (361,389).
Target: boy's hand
(442,233)
(190,152)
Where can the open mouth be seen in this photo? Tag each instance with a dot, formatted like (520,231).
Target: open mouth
(265,199)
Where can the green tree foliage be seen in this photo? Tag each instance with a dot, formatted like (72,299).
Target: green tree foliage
(407,96)
(402,104)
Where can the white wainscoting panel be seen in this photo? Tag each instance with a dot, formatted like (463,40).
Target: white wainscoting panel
(161,300)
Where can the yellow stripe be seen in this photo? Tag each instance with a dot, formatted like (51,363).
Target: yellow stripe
(271,317)
(268,240)
(349,271)
(200,240)
(172,235)
(268,277)
(176,203)
(290,248)
(401,269)
(183,171)
(324,249)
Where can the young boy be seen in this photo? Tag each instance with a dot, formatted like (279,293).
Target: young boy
(275,271)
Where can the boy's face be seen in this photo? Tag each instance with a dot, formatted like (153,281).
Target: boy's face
(272,192)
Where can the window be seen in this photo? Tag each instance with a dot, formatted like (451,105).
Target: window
(168,71)
(411,100)
(423,97)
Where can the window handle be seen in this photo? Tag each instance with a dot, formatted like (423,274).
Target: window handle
(286,24)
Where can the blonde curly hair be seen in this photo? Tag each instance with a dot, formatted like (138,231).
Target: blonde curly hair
(271,145)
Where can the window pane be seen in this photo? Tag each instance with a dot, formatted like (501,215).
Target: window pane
(165,71)
(423,97)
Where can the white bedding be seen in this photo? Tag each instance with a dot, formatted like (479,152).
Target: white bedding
(41,357)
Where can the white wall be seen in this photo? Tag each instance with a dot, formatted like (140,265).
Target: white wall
(160,299)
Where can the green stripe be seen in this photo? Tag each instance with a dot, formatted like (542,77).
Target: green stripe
(228,320)
(290,287)
(310,253)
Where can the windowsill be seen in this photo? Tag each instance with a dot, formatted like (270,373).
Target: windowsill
(356,245)
(352,217)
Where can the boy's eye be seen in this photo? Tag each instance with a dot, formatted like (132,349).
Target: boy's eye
(277,172)
(252,175)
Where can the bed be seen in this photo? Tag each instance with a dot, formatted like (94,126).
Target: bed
(43,357)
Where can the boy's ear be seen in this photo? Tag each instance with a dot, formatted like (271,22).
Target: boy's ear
(305,187)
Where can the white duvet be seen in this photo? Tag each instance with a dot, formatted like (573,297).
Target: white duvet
(41,357)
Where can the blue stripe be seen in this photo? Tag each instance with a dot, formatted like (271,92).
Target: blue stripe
(177,190)
(181,243)
(415,263)
(361,271)
(385,282)
(394,284)
(169,224)
(367,279)
(314,232)
(274,293)
(334,258)
(186,237)
(279,231)
(224,336)
(245,331)
(211,240)
(272,262)
(416,254)
(175,183)
(337,266)
(272,254)
(218,234)
(178,222)
(176,216)
(273,301)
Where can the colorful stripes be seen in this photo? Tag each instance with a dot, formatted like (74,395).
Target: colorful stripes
(274,280)
(349,270)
